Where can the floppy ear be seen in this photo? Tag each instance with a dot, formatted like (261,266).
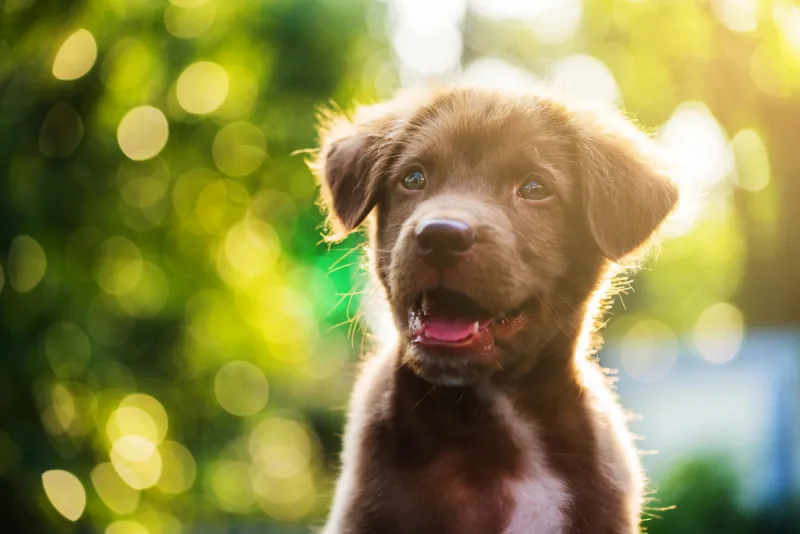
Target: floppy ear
(626,192)
(349,168)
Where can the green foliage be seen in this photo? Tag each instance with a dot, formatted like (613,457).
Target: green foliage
(158,237)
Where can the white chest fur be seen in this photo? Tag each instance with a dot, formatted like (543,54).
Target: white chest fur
(540,496)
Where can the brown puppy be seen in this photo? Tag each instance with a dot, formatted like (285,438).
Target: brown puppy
(498,223)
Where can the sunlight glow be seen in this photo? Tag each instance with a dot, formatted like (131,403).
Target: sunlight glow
(787,18)
(702,159)
(76,56)
(241,388)
(251,248)
(585,78)
(137,461)
(127,526)
(752,160)
(718,333)
(740,16)
(427,15)
(505,10)
(428,52)
(495,73)
(229,485)
(281,448)
(142,133)
(113,491)
(202,87)
(65,492)
(119,266)
(239,148)
(649,351)
(187,23)
(179,470)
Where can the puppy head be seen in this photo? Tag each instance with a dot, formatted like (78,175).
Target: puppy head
(495,218)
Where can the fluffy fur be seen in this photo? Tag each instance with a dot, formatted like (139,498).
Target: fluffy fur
(526,436)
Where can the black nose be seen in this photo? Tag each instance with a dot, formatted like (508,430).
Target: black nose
(441,240)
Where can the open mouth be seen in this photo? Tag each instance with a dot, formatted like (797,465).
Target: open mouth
(443,317)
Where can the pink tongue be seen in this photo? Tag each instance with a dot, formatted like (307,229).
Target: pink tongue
(447,329)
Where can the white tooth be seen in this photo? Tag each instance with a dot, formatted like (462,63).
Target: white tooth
(426,304)
(475,327)
(416,325)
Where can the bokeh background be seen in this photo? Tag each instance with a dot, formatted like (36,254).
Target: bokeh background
(177,344)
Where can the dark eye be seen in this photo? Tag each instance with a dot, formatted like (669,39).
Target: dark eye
(415,181)
(533,190)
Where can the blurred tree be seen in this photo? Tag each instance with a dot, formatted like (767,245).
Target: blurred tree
(155,228)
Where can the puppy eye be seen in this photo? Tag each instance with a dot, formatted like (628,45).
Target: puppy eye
(415,181)
(533,190)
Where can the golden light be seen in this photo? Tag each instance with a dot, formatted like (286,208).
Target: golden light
(149,296)
(285,499)
(281,448)
(494,73)
(285,317)
(787,18)
(180,469)
(585,78)
(67,348)
(189,22)
(65,492)
(718,332)
(59,415)
(549,22)
(202,87)
(142,133)
(76,56)
(127,527)
(241,388)
(131,421)
(752,161)
(159,522)
(134,71)
(242,92)
(252,247)
(740,16)
(119,266)
(701,156)
(229,485)
(154,409)
(239,148)
(137,461)
(27,263)
(649,351)
(220,204)
(113,491)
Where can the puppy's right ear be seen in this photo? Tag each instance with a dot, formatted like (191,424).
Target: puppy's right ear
(350,165)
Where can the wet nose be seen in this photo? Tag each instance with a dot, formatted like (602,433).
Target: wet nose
(442,240)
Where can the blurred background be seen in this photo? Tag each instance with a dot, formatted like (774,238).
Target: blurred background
(178,346)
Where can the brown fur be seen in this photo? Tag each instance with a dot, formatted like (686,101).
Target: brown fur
(438,444)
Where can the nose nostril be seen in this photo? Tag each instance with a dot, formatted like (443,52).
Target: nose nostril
(444,236)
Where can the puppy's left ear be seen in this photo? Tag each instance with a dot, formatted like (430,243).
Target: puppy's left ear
(349,166)
(627,193)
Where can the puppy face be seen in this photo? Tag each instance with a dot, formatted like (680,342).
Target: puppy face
(495,218)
